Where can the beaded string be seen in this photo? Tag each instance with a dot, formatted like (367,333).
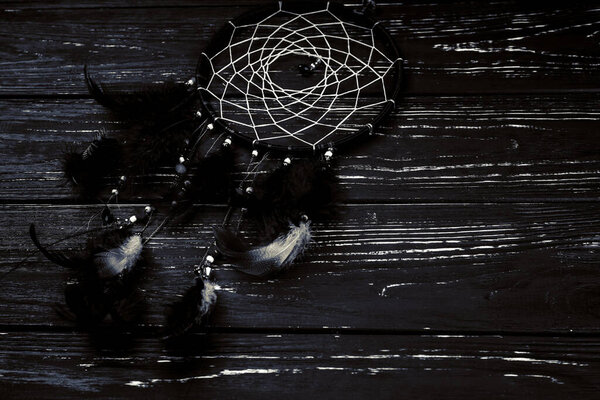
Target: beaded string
(250,188)
(204,268)
(181,169)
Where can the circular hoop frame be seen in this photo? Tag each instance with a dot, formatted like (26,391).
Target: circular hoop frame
(204,70)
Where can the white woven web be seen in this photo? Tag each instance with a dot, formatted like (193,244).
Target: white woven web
(255,86)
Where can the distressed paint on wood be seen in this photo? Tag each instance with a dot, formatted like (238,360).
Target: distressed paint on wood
(451,148)
(449,48)
(516,267)
(301,366)
(471,215)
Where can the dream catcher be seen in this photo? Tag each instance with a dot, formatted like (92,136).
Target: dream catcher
(288,85)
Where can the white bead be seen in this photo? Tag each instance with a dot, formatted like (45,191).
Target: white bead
(210,259)
(287,161)
(328,154)
(132,219)
(180,169)
(191,81)
(181,159)
(249,190)
(254,153)
(227,142)
(199,114)
(210,127)
(147,209)
(123,178)
(115,192)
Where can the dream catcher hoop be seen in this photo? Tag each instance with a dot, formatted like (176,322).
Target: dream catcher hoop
(249,76)
(294,81)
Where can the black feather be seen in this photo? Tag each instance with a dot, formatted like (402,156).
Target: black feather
(148,145)
(86,171)
(159,119)
(193,309)
(107,216)
(105,276)
(56,257)
(209,180)
(304,187)
(211,176)
(150,101)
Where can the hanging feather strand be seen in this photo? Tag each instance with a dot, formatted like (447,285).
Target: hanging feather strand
(151,101)
(304,187)
(106,277)
(267,259)
(208,181)
(193,309)
(159,120)
(85,171)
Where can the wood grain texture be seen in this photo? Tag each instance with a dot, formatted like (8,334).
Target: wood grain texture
(256,366)
(463,262)
(451,148)
(488,267)
(449,47)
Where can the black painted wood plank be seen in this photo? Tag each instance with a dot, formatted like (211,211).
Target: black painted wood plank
(450,148)
(448,47)
(479,267)
(301,366)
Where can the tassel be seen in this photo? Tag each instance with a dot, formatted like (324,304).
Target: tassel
(267,259)
(106,277)
(193,309)
(303,187)
(85,171)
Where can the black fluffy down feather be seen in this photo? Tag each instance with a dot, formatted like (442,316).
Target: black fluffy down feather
(150,101)
(149,146)
(159,121)
(159,118)
(282,196)
(105,277)
(86,171)
(211,178)
(208,181)
(193,309)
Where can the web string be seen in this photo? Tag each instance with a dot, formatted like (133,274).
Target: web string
(351,78)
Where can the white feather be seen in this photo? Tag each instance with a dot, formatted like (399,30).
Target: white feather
(264,260)
(121,259)
(209,299)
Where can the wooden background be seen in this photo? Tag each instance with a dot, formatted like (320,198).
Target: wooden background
(462,264)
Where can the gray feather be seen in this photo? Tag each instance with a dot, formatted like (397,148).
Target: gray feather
(267,259)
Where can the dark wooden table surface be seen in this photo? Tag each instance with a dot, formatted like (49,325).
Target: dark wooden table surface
(464,262)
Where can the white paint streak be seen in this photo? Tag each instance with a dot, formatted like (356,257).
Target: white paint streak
(552,379)
(225,372)
(393,285)
(137,384)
